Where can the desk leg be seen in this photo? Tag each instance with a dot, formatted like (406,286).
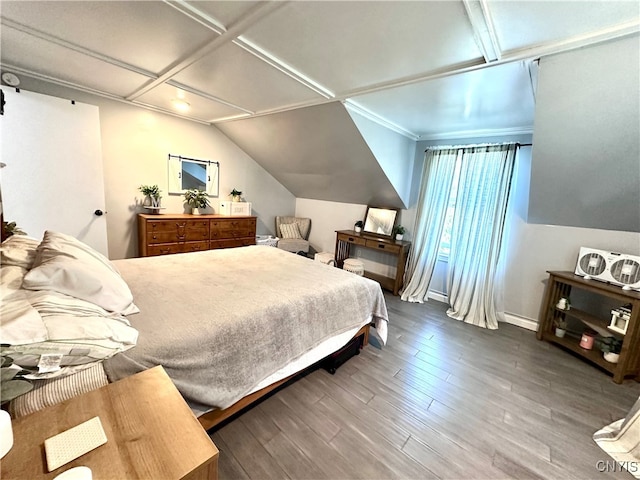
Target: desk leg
(342,252)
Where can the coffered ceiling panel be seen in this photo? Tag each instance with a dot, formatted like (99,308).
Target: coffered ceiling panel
(67,65)
(149,34)
(241,78)
(200,108)
(225,12)
(347,45)
(492,98)
(529,23)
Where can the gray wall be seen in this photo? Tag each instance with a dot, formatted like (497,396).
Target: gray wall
(586,168)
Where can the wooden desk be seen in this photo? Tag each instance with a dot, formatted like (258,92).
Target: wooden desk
(399,249)
(151,434)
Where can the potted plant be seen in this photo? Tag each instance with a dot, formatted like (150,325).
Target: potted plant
(236,195)
(9,229)
(400,232)
(358,226)
(561,327)
(611,347)
(152,192)
(196,199)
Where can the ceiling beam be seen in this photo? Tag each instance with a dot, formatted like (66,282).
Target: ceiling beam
(483,28)
(253,16)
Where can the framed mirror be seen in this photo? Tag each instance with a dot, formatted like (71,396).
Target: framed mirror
(187,173)
(380,221)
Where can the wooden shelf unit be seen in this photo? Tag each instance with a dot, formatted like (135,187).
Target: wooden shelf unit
(560,285)
(399,249)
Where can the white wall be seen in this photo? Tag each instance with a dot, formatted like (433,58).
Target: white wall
(394,153)
(327,217)
(135,145)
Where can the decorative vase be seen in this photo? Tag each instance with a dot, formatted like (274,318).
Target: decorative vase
(399,236)
(155,202)
(560,332)
(357,229)
(611,357)
(195,211)
(236,198)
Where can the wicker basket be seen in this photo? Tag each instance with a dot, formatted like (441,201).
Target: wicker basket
(354,265)
(267,240)
(325,257)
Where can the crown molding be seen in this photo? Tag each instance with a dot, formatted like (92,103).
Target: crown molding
(360,110)
(480,133)
(92,91)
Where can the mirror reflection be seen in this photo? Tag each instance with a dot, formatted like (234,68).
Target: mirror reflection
(380,221)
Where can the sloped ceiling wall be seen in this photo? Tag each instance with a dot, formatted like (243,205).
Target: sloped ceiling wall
(316,153)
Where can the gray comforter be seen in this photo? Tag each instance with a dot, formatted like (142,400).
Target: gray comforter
(221,321)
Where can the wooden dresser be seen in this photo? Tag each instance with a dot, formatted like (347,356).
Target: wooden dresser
(180,233)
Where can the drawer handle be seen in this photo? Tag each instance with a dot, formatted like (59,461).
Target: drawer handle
(165,250)
(154,237)
(380,245)
(180,237)
(351,239)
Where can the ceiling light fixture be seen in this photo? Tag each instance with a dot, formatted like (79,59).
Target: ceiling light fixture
(180,104)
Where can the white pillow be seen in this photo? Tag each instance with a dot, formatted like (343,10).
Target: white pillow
(20,322)
(290,230)
(66,265)
(18,251)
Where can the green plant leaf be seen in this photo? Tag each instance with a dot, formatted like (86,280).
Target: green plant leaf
(13,389)
(7,374)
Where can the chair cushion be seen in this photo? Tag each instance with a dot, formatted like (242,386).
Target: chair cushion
(290,230)
(293,245)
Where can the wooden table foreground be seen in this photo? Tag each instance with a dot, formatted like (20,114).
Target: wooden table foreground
(151,434)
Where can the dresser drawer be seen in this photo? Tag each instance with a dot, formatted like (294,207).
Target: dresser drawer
(233,228)
(167,231)
(383,246)
(233,242)
(169,248)
(352,239)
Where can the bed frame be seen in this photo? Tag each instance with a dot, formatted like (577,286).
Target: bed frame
(213,418)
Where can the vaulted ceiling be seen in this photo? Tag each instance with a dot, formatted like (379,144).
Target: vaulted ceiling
(422,68)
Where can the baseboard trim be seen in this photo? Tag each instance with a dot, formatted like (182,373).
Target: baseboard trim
(510,318)
(438,297)
(519,321)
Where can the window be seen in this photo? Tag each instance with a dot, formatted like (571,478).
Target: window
(445,240)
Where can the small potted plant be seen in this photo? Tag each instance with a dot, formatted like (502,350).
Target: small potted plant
(152,192)
(561,327)
(9,229)
(196,199)
(236,195)
(358,226)
(611,347)
(400,232)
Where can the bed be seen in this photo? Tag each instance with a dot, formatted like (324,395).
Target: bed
(227,325)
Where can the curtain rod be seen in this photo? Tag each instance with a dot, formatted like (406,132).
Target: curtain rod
(193,159)
(433,147)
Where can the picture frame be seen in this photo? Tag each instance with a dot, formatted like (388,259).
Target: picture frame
(380,221)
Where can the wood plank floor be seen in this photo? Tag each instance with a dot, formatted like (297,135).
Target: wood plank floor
(441,400)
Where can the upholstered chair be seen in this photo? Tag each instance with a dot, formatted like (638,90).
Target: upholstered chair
(287,234)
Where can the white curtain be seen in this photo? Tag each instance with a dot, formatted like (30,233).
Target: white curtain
(473,284)
(437,177)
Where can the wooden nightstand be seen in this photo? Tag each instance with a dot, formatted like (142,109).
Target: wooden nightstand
(151,434)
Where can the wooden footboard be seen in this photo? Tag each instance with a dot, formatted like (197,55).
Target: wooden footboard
(215,417)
